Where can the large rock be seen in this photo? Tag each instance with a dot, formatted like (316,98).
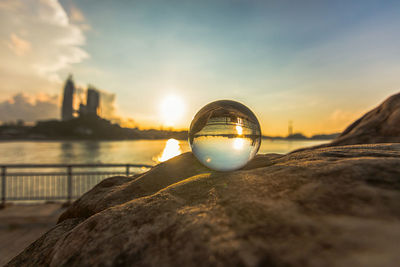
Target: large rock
(380,125)
(324,206)
(335,206)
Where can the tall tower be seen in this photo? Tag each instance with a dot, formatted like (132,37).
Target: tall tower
(67,104)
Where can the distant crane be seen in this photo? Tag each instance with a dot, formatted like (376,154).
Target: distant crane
(290,128)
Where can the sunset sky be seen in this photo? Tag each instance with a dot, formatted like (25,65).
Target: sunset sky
(320,64)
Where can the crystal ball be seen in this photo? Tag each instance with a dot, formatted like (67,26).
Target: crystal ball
(224,135)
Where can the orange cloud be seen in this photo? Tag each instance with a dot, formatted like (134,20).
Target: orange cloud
(78,18)
(29,108)
(76,14)
(10,4)
(18,45)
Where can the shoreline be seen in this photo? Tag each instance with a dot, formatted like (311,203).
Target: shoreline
(140,139)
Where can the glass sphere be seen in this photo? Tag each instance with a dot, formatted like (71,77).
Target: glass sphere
(225,135)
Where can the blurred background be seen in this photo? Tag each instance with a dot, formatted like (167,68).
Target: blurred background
(95,88)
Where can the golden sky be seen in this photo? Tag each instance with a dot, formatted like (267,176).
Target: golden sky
(320,64)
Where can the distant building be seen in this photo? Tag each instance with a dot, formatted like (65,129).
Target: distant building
(67,104)
(92,101)
(82,109)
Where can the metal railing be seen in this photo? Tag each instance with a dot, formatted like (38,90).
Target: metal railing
(30,182)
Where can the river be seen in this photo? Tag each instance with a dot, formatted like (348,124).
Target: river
(132,151)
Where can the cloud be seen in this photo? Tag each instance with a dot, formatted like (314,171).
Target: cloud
(43,106)
(10,4)
(107,105)
(76,14)
(78,18)
(29,108)
(109,110)
(18,45)
(37,41)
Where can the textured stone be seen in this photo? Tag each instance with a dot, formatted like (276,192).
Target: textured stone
(333,205)
(336,206)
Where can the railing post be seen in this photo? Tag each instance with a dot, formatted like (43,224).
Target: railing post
(3,186)
(127,169)
(69,187)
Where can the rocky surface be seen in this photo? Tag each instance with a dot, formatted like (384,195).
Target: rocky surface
(335,206)
(380,125)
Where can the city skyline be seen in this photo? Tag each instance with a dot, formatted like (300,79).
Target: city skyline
(319,64)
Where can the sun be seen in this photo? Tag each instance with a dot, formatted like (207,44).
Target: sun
(172,109)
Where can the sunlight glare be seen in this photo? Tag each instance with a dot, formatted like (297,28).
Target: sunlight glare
(172,149)
(239,129)
(172,108)
(238,143)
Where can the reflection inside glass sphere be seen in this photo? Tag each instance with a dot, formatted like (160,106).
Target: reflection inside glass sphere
(224,135)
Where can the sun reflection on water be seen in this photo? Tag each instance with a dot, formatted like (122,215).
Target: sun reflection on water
(238,143)
(239,129)
(171,149)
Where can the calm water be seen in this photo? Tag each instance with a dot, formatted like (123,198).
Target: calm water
(134,151)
